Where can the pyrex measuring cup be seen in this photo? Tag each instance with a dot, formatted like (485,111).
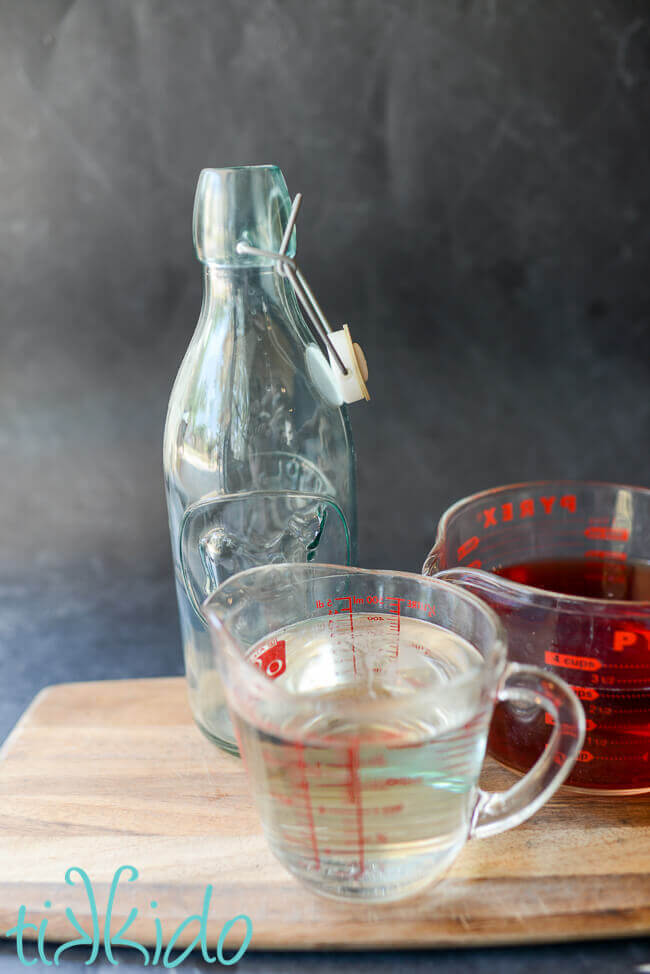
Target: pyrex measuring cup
(600,646)
(361,701)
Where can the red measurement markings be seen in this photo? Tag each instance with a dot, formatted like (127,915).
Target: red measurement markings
(467,547)
(615,683)
(607,534)
(631,694)
(607,555)
(585,693)
(629,731)
(568,729)
(379,600)
(348,599)
(395,623)
(528,507)
(571,662)
(355,797)
(591,725)
(272,660)
(303,784)
(586,756)
(590,665)
(420,606)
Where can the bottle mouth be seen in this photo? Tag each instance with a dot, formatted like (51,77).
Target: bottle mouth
(259,165)
(234,204)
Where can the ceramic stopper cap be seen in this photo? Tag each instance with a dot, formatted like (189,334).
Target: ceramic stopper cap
(352,386)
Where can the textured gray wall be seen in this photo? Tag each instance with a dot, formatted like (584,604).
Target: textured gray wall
(476,206)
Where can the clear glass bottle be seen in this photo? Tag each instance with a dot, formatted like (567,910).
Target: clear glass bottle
(258,453)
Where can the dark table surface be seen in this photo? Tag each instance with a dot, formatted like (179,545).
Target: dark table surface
(81,623)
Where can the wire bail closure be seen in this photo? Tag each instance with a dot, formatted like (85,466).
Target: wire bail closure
(338,344)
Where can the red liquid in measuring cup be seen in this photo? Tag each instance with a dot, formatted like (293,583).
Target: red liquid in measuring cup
(594,579)
(605,658)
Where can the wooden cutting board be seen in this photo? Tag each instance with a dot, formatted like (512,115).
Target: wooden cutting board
(101,775)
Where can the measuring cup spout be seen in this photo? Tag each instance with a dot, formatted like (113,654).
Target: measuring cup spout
(251,605)
(480,582)
(223,641)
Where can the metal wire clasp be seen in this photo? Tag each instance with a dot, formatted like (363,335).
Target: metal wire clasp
(287,267)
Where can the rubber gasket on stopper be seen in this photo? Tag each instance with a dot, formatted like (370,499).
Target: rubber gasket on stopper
(353,385)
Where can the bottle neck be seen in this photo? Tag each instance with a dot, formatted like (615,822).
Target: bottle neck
(244,293)
(222,283)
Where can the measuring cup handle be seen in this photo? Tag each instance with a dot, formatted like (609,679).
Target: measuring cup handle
(497,811)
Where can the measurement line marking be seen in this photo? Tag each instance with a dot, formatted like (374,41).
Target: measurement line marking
(304,787)
(395,625)
(355,792)
(627,666)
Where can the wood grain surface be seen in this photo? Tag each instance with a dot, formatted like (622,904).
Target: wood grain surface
(100,775)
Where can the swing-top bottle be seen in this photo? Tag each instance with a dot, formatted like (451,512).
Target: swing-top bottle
(258,452)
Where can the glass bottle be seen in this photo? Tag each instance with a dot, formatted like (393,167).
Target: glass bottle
(258,454)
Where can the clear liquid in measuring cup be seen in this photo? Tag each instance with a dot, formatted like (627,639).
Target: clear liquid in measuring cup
(370,803)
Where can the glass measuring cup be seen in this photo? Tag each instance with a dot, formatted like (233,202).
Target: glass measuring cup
(361,701)
(600,646)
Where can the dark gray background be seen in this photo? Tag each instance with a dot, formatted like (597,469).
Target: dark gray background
(476,188)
